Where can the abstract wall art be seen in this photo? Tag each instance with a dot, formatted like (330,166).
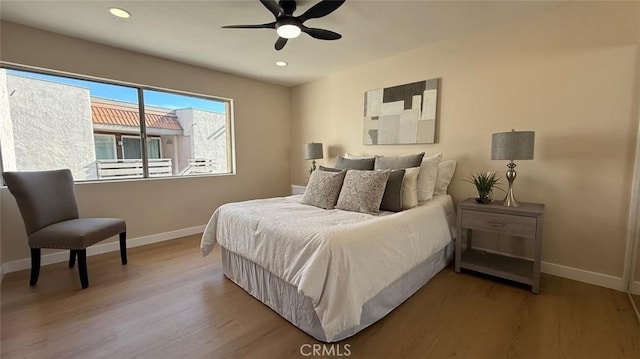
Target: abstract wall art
(404,114)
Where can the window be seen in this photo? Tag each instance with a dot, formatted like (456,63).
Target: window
(95,128)
(131,148)
(153,148)
(202,143)
(105,146)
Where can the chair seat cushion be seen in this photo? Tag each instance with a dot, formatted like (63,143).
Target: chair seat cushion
(76,233)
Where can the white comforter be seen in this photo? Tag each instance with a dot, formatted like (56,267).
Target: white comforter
(339,259)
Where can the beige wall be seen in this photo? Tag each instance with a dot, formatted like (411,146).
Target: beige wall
(568,73)
(262,114)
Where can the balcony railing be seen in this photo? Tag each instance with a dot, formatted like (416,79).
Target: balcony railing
(200,166)
(118,169)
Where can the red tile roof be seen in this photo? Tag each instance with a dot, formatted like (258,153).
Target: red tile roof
(127,115)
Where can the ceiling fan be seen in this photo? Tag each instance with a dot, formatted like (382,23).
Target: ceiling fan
(288,26)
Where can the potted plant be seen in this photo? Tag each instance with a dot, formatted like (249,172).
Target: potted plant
(484,182)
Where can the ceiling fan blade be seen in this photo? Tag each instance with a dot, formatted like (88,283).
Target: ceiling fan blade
(280,43)
(271,25)
(323,8)
(273,6)
(321,33)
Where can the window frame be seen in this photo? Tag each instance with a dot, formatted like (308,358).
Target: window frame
(229,119)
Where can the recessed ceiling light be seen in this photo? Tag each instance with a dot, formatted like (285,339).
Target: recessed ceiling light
(120,13)
(281,63)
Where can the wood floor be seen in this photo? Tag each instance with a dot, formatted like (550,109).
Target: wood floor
(169,302)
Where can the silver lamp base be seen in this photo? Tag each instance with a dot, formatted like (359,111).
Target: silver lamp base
(510,199)
(313,167)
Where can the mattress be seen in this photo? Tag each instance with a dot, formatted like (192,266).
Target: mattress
(340,260)
(289,303)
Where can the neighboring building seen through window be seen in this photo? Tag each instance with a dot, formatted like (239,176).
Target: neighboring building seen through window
(94,129)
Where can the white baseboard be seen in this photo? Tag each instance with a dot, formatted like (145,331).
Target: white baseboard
(581,275)
(634,288)
(58,257)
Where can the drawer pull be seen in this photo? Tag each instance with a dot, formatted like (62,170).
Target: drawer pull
(496,223)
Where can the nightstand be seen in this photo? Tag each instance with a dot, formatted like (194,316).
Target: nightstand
(524,221)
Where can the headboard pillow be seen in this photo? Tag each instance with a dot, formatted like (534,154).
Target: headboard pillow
(355,164)
(323,189)
(410,188)
(445,173)
(428,176)
(357,157)
(329,169)
(398,162)
(362,191)
(392,198)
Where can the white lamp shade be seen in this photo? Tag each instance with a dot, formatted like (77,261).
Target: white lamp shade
(313,151)
(514,145)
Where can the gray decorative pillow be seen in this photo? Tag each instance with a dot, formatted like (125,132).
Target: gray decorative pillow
(398,162)
(362,191)
(355,164)
(329,169)
(392,198)
(323,189)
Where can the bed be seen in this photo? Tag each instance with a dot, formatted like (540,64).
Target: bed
(330,273)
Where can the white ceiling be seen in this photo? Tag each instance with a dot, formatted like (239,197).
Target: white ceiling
(189,31)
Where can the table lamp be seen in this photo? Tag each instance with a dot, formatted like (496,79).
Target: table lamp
(313,151)
(514,145)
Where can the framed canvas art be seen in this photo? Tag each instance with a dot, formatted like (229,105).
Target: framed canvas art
(404,114)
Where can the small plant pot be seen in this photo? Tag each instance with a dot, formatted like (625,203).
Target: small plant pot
(484,183)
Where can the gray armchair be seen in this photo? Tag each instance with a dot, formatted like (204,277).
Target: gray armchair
(47,203)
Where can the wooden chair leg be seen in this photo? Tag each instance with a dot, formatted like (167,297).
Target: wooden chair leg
(123,247)
(35,266)
(72,258)
(82,268)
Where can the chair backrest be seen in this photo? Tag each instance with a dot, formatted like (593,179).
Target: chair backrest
(43,197)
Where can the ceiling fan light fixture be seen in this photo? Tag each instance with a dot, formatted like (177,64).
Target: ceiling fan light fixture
(289,26)
(288,31)
(121,13)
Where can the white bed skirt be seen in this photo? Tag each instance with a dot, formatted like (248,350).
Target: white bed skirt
(297,308)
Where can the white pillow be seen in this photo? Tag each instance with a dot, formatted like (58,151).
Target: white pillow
(357,157)
(410,188)
(445,173)
(428,176)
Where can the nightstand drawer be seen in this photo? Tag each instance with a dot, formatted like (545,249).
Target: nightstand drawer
(500,223)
